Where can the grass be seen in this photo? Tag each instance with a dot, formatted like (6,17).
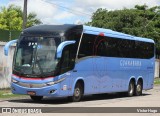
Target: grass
(157,81)
(6,93)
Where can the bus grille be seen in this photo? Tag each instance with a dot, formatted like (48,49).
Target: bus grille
(33,85)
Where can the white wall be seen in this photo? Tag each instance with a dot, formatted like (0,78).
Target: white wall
(157,68)
(5,66)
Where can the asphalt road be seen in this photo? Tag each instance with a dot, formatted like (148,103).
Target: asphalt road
(150,98)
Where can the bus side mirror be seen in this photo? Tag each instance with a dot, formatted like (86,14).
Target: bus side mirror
(6,47)
(61,46)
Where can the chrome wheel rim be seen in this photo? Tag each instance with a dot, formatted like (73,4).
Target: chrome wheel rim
(139,88)
(77,92)
(131,88)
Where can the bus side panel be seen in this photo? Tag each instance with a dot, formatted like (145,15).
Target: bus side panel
(109,74)
(121,70)
(86,69)
(65,85)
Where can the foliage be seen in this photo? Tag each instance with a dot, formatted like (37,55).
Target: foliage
(157,81)
(139,21)
(11,18)
(6,94)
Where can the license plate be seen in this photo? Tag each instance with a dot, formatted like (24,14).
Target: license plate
(31,93)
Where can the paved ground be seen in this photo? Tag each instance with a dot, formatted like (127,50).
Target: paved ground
(150,98)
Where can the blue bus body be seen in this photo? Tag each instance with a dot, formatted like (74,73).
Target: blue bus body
(99,74)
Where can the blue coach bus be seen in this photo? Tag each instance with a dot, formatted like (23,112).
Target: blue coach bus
(77,60)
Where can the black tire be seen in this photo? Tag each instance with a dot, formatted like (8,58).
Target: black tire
(138,88)
(131,88)
(36,98)
(78,93)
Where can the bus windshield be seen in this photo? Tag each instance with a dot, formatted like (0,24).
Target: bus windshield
(36,56)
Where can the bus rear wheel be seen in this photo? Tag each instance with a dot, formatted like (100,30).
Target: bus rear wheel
(36,98)
(78,93)
(138,88)
(131,89)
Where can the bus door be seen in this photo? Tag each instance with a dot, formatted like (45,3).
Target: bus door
(67,65)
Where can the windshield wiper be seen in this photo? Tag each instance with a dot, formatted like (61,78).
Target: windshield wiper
(19,72)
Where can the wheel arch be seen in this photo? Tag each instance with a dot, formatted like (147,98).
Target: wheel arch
(80,80)
(132,78)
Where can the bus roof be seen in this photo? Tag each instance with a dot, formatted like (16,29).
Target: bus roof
(111,33)
(50,29)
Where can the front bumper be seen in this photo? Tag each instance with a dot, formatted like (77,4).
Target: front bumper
(44,91)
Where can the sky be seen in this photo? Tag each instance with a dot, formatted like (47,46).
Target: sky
(74,11)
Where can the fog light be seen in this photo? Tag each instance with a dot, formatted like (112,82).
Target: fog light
(52,91)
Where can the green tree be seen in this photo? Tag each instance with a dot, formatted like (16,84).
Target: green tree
(11,18)
(139,21)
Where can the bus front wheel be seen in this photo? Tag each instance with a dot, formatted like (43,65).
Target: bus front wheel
(78,93)
(130,89)
(36,98)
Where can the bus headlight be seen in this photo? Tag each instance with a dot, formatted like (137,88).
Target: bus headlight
(50,83)
(14,81)
(54,82)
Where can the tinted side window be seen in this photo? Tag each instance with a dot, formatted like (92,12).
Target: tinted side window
(144,49)
(124,48)
(68,59)
(86,47)
(93,45)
